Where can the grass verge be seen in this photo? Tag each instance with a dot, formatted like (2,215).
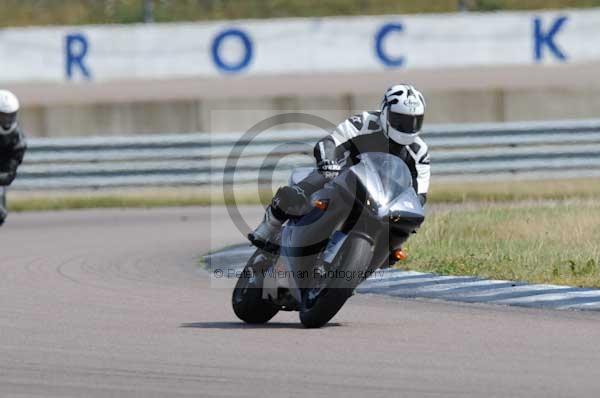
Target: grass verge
(24,204)
(140,198)
(557,244)
(499,192)
(510,191)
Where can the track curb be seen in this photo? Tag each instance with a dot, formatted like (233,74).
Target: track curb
(467,289)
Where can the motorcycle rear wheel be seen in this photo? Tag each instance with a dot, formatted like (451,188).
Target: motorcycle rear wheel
(247,301)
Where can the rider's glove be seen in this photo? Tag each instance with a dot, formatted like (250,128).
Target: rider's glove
(290,201)
(329,168)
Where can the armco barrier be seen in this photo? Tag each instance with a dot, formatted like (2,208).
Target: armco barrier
(565,149)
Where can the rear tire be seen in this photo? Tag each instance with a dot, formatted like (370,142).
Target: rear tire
(354,259)
(247,300)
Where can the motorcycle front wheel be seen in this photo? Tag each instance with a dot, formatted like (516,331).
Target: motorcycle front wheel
(321,303)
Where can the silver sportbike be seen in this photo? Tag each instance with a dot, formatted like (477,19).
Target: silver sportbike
(353,226)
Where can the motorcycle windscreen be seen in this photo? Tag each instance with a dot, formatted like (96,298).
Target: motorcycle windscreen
(384,176)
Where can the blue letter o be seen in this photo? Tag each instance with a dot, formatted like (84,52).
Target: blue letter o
(379,37)
(216,45)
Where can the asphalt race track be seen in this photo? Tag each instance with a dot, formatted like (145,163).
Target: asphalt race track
(113,303)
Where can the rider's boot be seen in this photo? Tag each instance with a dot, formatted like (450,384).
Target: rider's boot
(266,234)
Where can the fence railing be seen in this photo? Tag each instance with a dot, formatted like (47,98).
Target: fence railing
(565,149)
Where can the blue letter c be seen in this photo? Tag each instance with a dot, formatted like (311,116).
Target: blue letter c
(380,37)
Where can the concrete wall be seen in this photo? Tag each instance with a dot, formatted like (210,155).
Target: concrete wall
(239,115)
(111,119)
(300,46)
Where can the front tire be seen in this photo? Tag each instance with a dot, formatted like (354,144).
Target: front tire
(318,307)
(247,301)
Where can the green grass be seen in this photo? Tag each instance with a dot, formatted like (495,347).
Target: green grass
(500,192)
(102,201)
(558,244)
(77,12)
(510,191)
(23,202)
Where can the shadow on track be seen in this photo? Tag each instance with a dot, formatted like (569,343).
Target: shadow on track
(241,325)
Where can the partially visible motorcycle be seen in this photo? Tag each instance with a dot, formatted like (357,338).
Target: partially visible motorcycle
(3,210)
(357,224)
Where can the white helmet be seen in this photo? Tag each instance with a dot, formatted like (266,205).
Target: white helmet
(402,112)
(9,106)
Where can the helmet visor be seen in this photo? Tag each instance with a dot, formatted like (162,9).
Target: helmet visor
(408,124)
(7,120)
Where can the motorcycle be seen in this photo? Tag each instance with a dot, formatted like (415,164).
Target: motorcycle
(3,211)
(356,224)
